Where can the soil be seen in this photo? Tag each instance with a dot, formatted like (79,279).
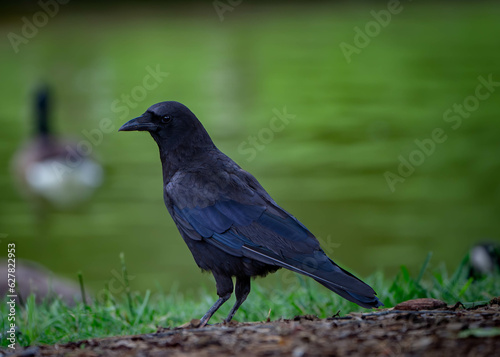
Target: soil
(415,328)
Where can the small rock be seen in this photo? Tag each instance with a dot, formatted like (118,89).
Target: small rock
(124,344)
(161,329)
(299,351)
(306,318)
(231,323)
(195,323)
(455,326)
(423,343)
(421,304)
(495,301)
(30,352)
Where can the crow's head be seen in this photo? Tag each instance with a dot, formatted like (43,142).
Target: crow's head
(171,124)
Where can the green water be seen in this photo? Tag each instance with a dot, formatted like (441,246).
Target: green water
(326,166)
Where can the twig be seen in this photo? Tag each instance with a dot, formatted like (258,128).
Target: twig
(127,285)
(82,288)
(412,312)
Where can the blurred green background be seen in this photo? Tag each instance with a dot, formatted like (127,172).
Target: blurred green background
(353,119)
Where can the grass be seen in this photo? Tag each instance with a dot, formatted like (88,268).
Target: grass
(134,313)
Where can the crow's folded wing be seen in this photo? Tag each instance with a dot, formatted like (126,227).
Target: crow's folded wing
(245,221)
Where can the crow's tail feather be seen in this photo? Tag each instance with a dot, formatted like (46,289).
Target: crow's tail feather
(325,272)
(364,301)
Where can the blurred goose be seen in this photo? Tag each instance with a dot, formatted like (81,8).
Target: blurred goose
(50,168)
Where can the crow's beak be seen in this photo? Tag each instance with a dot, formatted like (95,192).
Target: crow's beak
(138,124)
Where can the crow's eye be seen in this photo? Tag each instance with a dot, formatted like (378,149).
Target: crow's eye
(166,119)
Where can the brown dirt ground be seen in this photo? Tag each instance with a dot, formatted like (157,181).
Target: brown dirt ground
(448,331)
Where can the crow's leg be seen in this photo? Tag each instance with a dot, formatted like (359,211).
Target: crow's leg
(224,285)
(242,291)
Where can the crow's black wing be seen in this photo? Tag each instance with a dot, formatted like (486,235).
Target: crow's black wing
(235,214)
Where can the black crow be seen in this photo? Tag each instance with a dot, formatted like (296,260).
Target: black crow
(229,222)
